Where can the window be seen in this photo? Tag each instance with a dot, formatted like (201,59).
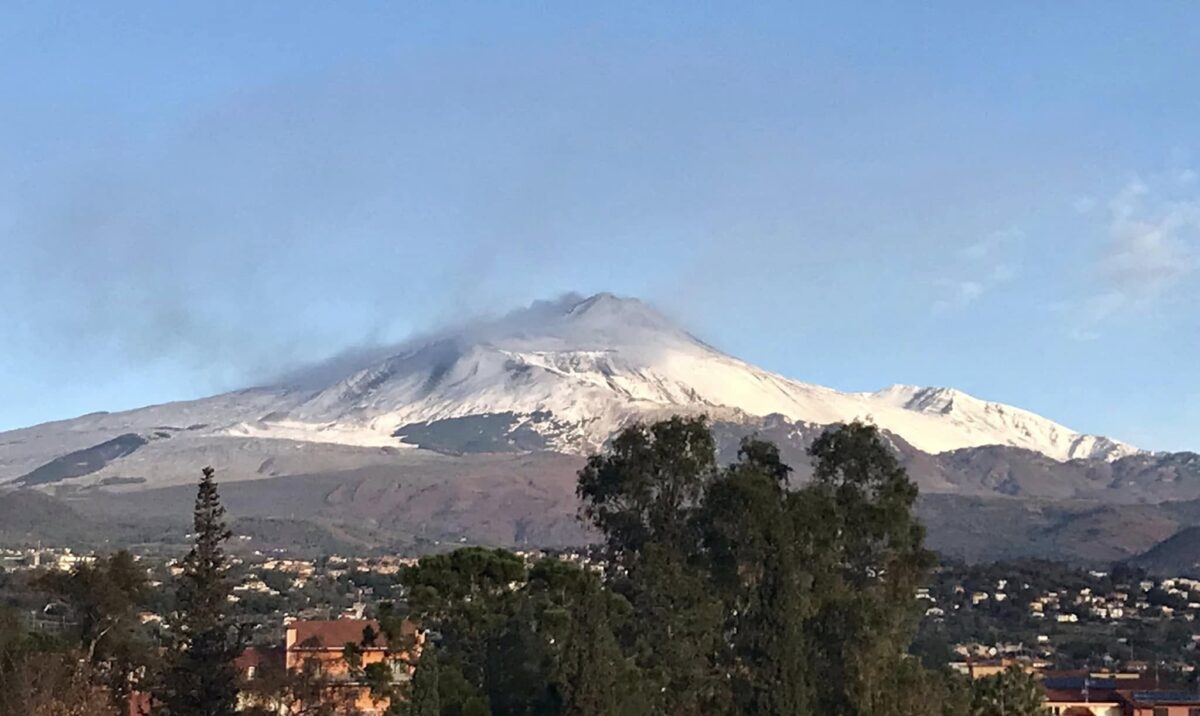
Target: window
(1160,711)
(1194,711)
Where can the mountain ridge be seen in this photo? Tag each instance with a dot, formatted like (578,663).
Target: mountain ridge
(563,375)
(597,363)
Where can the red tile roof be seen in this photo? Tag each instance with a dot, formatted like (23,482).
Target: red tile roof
(259,657)
(336,633)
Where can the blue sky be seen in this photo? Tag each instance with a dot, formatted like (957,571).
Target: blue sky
(999,197)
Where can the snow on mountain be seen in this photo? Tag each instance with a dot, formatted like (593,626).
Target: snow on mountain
(593,365)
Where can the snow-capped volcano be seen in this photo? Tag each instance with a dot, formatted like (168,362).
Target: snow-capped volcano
(573,371)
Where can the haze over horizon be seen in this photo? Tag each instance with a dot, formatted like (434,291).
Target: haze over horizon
(1003,200)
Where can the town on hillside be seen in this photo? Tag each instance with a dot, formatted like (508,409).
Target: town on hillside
(1104,643)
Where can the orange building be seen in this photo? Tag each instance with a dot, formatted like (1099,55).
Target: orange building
(319,647)
(318,651)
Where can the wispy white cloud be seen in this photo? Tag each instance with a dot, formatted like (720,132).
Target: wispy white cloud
(992,244)
(1002,273)
(1092,312)
(981,266)
(957,295)
(1083,204)
(1152,244)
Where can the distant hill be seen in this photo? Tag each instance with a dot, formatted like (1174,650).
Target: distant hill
(28,517)
(528,500)
(1178,555)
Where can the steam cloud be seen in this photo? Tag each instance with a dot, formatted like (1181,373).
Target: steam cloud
(284,224)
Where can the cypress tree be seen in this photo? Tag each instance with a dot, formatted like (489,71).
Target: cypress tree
(425,701)
(200,679)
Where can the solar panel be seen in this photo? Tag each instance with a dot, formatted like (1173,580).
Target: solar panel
(1077,682)
(1150,697)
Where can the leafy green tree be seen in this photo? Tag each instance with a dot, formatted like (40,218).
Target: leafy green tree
(950,689)
(301,691)
(558,652)
(352,654)
(753,597)
(916,690)
(476,706)
(642,494)
(454,690)
(541,642)
(756,562)
(729,590)
(465,596)
(592,673)
(200,679)
(53,683)
(932,645)
(1012,692)
(868,557)
(642,491)
(518,676)
(13,637)
(104,598)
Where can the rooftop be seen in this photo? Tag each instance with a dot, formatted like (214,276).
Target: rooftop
(336,633)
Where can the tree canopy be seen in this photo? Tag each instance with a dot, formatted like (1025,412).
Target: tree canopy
(726,589)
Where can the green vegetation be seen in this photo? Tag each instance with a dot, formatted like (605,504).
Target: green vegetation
(1012,692)
(723,591)
(103,599)
(47,673)
(425,701)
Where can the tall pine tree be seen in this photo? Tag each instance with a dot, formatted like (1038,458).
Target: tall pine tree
(200,679)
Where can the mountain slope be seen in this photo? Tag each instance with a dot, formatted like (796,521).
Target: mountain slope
(1174,556)
(576,370)
(559,375)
